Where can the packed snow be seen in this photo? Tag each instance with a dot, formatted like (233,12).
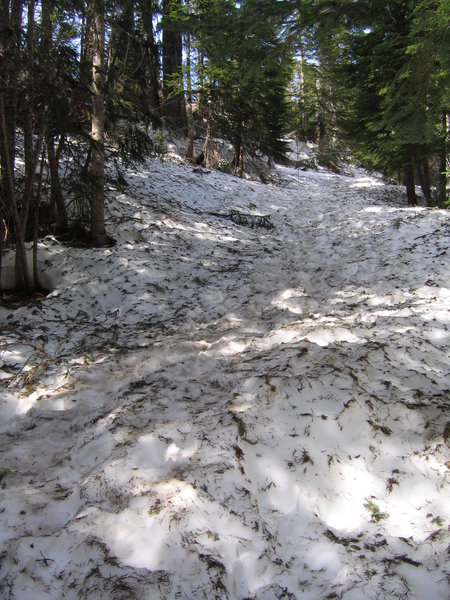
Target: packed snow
(232,410)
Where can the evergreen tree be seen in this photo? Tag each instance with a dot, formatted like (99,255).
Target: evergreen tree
(150,56)
(430,61)
(395,90)
(246,74)
(174,108)
(98,231)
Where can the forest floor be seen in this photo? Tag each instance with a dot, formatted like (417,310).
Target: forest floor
(218,408)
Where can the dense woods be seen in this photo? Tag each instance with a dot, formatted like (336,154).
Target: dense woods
(82,81)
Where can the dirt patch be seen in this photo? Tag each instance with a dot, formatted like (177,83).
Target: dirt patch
(78,237)
(13,299)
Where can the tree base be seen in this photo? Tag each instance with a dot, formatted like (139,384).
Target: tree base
(78,237)
(12,299)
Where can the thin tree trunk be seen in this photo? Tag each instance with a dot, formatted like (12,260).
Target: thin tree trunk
(3,234)
(174,103)
(22,274)
(33,120)
(423,174)
(301,73)
(10,24)
(241,161)
(410,185)
(33,124)
(85,58)
(152,57)
(322,125)
(190,119)
(444,167)
(237,155)
(98,231)
(10,32)
(207,146)
(201,96)
(238,158)
(37,202)
(57,197)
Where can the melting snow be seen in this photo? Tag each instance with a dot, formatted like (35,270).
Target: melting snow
(212,410)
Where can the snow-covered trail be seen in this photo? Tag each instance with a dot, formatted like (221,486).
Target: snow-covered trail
(209,410)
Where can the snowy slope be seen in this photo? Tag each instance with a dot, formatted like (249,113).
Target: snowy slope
(213,410)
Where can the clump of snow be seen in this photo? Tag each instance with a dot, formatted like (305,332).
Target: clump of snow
(208,409)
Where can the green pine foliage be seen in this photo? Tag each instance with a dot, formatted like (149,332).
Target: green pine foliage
(395,77)
(246,73)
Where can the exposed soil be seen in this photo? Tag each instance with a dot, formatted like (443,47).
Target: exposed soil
(13,299)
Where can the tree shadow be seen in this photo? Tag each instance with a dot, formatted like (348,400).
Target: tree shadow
(224,438)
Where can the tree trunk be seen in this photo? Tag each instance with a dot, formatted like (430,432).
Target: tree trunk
(57,197)
(10,33)
(3,233)
(152,57)
(301,84)
(423,174)
(201,95)
(22,274)
(323,138)
(85,58)
(174,108)
(33,122)
(207,144)
(98,231)
(239,158)
(444,167)
(410,185)
(36,204)
(190,118)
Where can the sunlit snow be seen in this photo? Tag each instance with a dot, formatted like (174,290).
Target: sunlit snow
(213,410)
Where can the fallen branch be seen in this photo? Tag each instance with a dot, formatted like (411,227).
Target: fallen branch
(251,219)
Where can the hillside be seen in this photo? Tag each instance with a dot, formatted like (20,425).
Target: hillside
(229,407)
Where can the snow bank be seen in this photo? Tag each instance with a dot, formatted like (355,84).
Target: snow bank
(210,410)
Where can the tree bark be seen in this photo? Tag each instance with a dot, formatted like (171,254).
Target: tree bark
(152,57)
(57,197)
(22,274)
(36,204)
(190,118)
(410,185)
(3,233)
(98,231)
(238,157)
(444,167)
(57,202)
(85,58)
(10,32)
(423,174)
(301,83)
(174,108)
(208,146)
(33,122)
(323,93)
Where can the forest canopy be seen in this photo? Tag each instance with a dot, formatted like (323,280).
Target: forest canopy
(83,81)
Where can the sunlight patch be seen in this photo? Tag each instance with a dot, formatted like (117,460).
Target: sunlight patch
(290,300)
(324,336)
(366,182)
(151,453)
(323,556)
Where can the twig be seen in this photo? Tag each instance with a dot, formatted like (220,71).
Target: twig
(44,559)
